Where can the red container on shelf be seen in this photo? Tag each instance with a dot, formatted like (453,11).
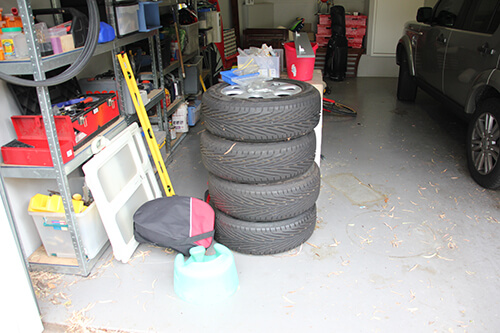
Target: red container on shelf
(75,129)
(322,40)
(94,117)
(355,31)
(32,147)
(324,30)
(355,20)
(355,42)
(325,19)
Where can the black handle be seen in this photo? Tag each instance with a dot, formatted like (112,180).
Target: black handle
(485,49)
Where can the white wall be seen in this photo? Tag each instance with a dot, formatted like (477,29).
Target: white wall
(386,19)
(285,11)
(20,313)
(225,12)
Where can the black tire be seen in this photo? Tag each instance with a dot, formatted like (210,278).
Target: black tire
(407,85)
(264,238)
(245,162)
(266,202)
(261,120)
(483,144)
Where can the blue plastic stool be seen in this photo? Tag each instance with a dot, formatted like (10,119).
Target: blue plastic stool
(205,279)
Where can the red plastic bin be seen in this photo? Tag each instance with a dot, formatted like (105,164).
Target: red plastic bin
(355,20)
(322,40)
(355,31)
(325,19)
(30,130)
(324,29)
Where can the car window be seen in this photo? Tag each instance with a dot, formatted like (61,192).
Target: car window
(446,12)
(495,21)
(485,17)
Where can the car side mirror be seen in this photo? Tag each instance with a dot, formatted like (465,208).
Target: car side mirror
(424,14)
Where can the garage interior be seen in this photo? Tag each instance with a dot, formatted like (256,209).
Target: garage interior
(404,238)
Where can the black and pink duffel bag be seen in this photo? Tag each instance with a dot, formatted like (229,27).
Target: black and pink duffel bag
(176,222)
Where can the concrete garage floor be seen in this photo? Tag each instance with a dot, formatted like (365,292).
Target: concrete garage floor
(405,241)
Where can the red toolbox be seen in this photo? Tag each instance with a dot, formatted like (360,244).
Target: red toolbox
(32,147)
(91,118)
(77,125)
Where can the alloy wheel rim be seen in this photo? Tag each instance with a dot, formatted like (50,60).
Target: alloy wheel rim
(485,147)
(264,90)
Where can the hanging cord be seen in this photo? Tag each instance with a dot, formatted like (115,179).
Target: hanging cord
(330,106)
(82,60)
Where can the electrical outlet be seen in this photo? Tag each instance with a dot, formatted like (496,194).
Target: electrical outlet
(249,2)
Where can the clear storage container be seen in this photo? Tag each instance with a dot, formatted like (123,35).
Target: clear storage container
(14,43)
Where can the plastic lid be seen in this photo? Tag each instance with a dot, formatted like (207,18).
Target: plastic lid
(11,29)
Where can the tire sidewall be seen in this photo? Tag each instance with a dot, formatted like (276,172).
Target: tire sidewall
(261,120)
(248,162)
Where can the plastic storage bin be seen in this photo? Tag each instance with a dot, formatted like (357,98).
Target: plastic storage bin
(268,66)
(56,238)
(149,16)
(14,43)
(194,113)
(127,18)
(192,83)
(191,45)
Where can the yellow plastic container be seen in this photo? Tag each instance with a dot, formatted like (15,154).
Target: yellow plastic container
(52,204)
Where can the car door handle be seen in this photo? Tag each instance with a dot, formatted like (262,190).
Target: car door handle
(441,39)
(486,50)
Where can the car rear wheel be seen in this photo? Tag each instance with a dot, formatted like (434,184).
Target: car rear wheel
(483,144)
(407,86)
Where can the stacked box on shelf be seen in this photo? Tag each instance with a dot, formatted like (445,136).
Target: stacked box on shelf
(355,30)
(324,31)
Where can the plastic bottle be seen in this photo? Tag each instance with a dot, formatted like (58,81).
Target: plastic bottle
(14,43)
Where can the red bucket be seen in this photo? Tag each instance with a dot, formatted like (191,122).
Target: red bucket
(299,68)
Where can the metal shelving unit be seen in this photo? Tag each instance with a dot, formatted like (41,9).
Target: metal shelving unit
(37,66)
(171,145)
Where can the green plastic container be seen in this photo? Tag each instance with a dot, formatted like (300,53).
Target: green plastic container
(205,279)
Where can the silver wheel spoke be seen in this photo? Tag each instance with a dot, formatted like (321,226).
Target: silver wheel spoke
(476,145)
(262,90)
(479,162)
(495,132)
(488,123)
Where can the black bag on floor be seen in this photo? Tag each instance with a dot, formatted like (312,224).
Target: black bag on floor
(177,222)
(336,52)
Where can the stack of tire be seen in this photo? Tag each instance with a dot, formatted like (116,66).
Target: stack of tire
(259,148)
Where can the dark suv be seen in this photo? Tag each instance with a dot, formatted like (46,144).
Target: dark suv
(453,53)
